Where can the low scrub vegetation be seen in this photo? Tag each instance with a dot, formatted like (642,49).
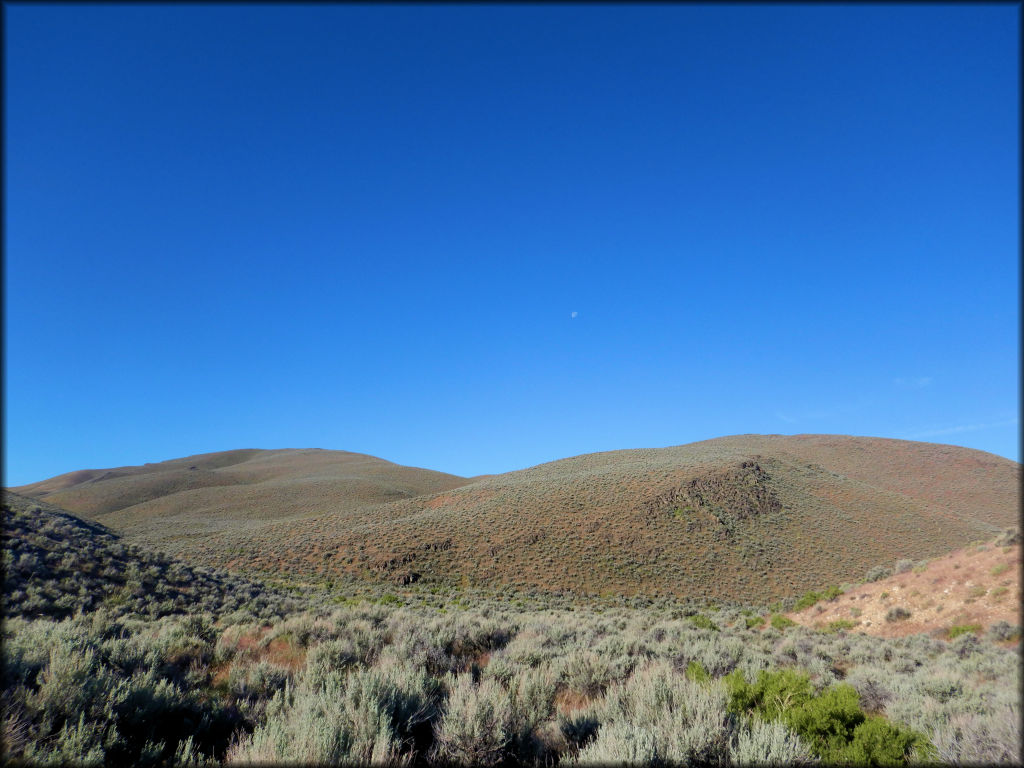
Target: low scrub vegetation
(812,597)
(492,684)
(410,677)
(957,630)
(830,722)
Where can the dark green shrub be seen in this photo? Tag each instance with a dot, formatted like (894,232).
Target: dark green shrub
(696,672)
(703,622)
(832,722)
(782,622)
(770,695)
(754,621)
(827,722)
(812,597)
(807,601)
(962,629)
(877,741)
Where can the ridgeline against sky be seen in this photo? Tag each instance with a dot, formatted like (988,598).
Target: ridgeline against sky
(478,238)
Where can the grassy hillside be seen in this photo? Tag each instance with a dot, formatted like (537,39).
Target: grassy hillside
(749,517)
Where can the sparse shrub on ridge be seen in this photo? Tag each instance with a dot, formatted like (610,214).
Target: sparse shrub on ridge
(957,630)
(840,625)
(1008,538)
(1003,631)
(903,566)
(877,574)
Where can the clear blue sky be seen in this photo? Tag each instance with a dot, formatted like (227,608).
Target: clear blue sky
(369,227)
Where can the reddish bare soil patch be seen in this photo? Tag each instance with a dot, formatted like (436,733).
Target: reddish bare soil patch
(568,701)
(975,585)
(282,652)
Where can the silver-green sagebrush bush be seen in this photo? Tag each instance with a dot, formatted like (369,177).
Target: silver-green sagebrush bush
(768,743)
(679,720)
(477,725)
(620,743)
(362,716)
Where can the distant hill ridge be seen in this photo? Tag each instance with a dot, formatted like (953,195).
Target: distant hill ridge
(744,517)
(336,476)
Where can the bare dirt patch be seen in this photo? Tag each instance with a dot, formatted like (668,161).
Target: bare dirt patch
(975,585)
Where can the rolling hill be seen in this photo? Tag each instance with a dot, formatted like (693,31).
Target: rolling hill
(748,518)
(233,491)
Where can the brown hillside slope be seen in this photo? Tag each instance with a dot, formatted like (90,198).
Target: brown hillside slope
(742,518)
(233,490)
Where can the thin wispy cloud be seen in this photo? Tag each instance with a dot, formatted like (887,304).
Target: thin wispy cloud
(958,428)
(919,382)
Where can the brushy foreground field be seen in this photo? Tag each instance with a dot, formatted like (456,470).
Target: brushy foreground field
(430,679)
(489,685)
(750,517)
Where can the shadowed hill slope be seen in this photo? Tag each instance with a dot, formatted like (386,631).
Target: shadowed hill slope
(57,565)
(748,518)
(234,490)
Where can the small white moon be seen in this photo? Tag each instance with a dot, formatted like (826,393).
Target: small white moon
(574,314)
